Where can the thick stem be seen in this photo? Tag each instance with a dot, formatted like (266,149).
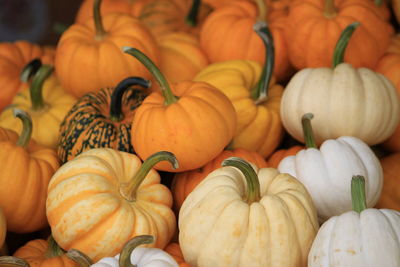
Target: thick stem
(358,198)
(146,61)
(191,18)
(128,190)
(260,92)
(116,97)
(30,69)
(262,10)
(253,185)
(25,136)
(12,261)
(53,250)
(329,9)
(308,131)
(98,22)
(36,89)
(125,256)
(340,48)
(79,257)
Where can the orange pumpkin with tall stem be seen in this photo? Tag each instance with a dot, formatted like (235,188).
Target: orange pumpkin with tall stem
(193,120)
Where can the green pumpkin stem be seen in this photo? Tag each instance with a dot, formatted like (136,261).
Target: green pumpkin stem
(26,133)
(98,22)
(30,69)
(125,256)
(36,89)
(262,10)
(79,257)
(340,48)
(308,131)
(116,97)
(13,261)
(260,92)
(253,185)
(378,2)
(329,8)
(146,61)
(128,190)
(358,198)
(53,250)
(191,18)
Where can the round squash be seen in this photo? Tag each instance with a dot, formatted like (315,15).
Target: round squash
(193,120)
(126,195)
(240,216)
(390,197)
(101,119)
(277,156)
(26,168)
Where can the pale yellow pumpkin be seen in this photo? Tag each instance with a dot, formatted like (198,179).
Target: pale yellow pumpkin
(96,203)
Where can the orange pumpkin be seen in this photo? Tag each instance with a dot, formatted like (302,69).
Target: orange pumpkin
(175,251)
(42,253)
(277,156)
(183,183)
(389,65)
(193,120)
(181,56)
(26,169)
(390,196)
(3,230)
(13,58)
(315,27)
(227,34)
(89,55)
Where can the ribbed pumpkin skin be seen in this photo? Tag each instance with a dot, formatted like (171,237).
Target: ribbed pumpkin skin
(83,64)
(185,182)
(390,197)
(175,251)
(86,210)
(88,124)
(24,176)
(34,252)
(13,58)
(312,36)
(277,156)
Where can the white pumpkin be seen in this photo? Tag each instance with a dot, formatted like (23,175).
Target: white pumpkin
(247,218)
(366,238)
(139,256)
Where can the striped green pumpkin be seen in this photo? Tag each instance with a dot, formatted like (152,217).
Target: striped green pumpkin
(102,119)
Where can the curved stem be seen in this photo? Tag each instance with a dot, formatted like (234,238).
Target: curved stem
(116,97)
(79,257)
(253,185)
(191,18)
(329,8)
(262,10)
(260,92)
(98,22)
(13,261)
(146,61)
(30,69)
(340,48)
(25,136)
(308,131)
(36,89)
(53,250)
(128,190)
(358,198)
(125,256)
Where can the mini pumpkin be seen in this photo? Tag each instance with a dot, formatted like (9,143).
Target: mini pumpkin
(3,229)
(126,194)
(101,119)
(390,197)
(277,156)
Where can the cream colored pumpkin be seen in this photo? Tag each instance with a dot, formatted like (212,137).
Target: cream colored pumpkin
(232,220)
(91,207)
(345,102)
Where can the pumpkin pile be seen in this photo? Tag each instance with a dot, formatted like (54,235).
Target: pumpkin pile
(206,134)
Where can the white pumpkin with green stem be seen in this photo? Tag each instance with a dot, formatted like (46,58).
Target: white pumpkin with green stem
(345,101)
(132,255)
(358,238)
(239,216)
(326,171)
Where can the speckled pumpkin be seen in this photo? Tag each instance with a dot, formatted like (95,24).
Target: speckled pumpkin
(101,119)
